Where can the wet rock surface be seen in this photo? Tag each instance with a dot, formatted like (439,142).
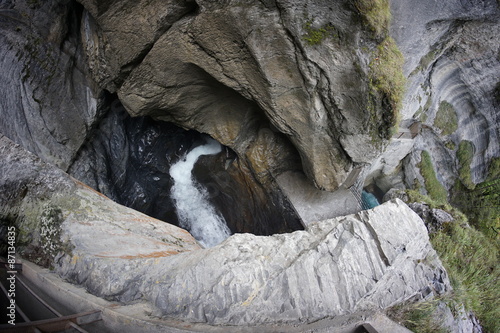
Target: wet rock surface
(128,159)
(370,260)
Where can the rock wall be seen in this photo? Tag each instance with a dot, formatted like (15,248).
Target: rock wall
(48,99)
(264,87)
(59,56)
(243,72)
(367,261)
(39,199)
(451,59)
(128,160)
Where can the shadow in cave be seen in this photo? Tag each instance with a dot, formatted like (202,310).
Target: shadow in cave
(128,159)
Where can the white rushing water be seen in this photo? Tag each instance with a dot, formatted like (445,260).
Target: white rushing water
(195,212)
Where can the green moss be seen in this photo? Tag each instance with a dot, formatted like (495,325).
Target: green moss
(388,83)
(315,36)
(471,260)
(423,115)
(419,112)
(418,317)
(482,204)
(425,61)
(436,191)
(428,59)
(493,169)
(376,14)
(450,145)
(428,104)
(465,153)
(446,118)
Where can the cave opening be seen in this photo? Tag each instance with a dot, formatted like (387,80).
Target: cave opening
(129,159)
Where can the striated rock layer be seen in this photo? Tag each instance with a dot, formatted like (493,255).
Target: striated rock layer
(370,260)
(451,61)
(48,100)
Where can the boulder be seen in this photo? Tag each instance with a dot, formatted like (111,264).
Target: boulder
(433,218)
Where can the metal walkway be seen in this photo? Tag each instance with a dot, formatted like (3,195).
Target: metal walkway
(56,322)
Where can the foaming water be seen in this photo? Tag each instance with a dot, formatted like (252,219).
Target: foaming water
(193,209)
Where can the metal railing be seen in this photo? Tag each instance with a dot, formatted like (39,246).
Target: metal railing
(59,324)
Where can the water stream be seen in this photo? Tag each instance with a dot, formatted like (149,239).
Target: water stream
(194,211)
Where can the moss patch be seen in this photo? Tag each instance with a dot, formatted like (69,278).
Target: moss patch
(493,169)
(450,145)
(482,204)
(388,82)
(46,220)
(465,153)
(315,36)
(471,260)
(435,189)
(418,317)
(376,14)
(386,79)
(446,118)
(425,61)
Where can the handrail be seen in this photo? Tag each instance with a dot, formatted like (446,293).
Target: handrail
(47,325)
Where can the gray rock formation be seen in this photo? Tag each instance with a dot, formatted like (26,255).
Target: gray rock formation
(451,56)
(128,160)
(236,69)
(313,205)
(460,321)
(339,266)
(117,34)
(370,260)
(433,218)
(48,100)
(38,199)
(245,73)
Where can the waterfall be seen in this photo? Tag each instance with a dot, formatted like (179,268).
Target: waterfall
(193,209)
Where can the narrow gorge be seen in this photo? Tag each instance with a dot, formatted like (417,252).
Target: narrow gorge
(254,166)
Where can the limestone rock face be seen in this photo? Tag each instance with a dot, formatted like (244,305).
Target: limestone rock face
(243,72)
(370,260)
(48,100)
(41,201)
(451,59)
(373,259)
(433,218)
(117,34)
